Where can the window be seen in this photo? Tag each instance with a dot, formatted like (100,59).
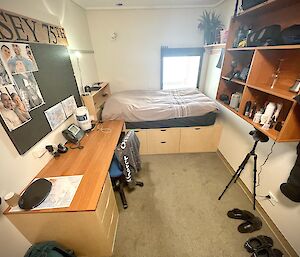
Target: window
(180,67)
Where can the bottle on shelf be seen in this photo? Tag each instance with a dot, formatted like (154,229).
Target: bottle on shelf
(253,111)
(247,108)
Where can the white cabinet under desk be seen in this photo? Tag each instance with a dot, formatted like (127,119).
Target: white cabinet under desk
(89,224)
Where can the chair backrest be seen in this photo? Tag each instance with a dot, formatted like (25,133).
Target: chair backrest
(115,169)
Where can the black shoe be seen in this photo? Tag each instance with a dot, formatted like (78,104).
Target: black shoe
(267,252)
(240,214)
(255,243)
(250,225)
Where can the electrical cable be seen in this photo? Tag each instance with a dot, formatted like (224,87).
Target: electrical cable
(261,166)
(103,130)
(78,146)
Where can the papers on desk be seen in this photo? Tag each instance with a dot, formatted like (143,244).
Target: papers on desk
(61,194)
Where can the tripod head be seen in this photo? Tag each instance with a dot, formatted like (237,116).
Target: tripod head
(259,136)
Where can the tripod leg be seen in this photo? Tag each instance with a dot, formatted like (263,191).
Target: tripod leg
(236,174)
(254,180)
(227,186)
(242,166)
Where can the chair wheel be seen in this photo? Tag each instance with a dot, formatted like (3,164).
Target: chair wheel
(141,184)
(125,206)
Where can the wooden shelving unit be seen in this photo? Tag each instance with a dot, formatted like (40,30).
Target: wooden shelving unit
(263,62)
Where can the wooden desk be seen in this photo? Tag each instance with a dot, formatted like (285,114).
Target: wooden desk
(89,225)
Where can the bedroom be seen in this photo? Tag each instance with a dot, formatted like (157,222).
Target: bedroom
(140,34)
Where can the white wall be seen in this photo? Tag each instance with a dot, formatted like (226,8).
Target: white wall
(236,142)
(17,171)
(133,60)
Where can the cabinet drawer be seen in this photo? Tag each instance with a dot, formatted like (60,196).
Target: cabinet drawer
(108,212)
(113,226)
(104,198)
(199,139)
(163,140)
(142,136)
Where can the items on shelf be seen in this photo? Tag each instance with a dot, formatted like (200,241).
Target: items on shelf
(235,100)
(266,36)
(224,98)
(291,35)
(275,76)
(265,116)
(296,87)
(241,36)
(237,74)
(247,108)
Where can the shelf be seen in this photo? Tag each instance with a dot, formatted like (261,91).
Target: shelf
(272,133)
(102,85)
(215,46)
(228,107)
(235,81)
(280,47)
(275,91)
(266,7)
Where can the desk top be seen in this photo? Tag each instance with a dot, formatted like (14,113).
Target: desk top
(92,162)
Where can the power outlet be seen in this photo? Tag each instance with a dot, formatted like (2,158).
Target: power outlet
(272,198)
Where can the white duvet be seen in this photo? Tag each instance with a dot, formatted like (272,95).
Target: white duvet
(145,105)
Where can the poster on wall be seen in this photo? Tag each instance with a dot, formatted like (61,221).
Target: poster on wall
(29,90)
(12,109)
(18,57)
(55,115)
(69,106)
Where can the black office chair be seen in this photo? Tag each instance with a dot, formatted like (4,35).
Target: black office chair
(118,180)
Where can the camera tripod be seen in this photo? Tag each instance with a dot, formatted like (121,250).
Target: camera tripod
(258,137)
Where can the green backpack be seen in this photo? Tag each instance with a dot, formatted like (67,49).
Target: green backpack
(48,249)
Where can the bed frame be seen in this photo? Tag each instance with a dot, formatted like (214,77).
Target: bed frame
(179,140)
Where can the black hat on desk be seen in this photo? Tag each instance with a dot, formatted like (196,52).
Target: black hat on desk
(35,194)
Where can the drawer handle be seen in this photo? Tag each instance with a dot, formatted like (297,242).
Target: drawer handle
(163,130)
(136,131)
(197,128)
(163,142)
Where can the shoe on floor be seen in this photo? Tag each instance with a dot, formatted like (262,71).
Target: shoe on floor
(240,214)
(255,243)
(267,252)
(250,225)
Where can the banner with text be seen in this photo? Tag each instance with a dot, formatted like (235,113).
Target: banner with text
(18,28)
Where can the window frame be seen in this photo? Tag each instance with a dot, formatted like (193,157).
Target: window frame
(165,51)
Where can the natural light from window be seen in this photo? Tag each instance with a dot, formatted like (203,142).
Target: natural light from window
(180,72)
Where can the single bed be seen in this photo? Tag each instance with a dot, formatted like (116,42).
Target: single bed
(145,109)
(177,121)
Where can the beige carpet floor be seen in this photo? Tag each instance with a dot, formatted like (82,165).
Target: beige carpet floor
(177,214)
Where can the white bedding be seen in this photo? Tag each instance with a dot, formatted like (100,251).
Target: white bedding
(146,105)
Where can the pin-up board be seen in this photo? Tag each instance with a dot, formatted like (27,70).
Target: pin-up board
(39,76)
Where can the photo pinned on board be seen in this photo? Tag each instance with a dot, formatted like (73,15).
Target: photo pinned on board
(18,57)
(12,109)
(29,90)
(4,76)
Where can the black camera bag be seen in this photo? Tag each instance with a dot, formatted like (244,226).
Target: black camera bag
(246,4)
(291,35)
(267,36)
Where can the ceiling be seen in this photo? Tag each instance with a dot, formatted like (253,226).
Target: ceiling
(144,4)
